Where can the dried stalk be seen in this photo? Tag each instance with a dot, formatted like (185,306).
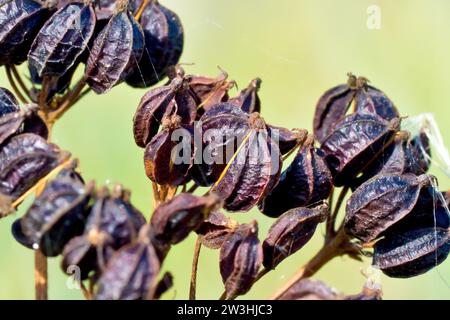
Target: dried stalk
(193,287)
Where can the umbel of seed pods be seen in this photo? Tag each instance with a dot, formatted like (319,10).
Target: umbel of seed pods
(132,41)
(361,147)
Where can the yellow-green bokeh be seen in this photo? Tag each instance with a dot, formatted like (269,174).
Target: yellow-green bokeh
(299,48)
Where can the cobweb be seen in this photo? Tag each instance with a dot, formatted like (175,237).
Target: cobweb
(439,159)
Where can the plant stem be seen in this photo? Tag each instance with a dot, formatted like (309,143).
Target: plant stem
(334,248)
(193,287)
(156,198)
(14,86)
(69,101)
(331,222)
(40,275)
(192,188)
(20,81)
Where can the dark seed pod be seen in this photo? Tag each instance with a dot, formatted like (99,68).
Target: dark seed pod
(24,160)
(430,211)
(225,126)
(240,259)
(8,103)
(287,139)
(112,223)
(164,40)
(421,149)
(131,273)
(57,215)
(291,232)
(162,159)
(55,85)
(248,99)
(241,160)
(12,123)
(214,230)
(412,253)
(15,120)
(20,21)
(254,170)
(335,103)
(115,52)
(397,158)
(307,289)
(381,202)
(62,39)
(161,102)
(81,253)
(305,182)
(209,91)
(174,220)
(355,142)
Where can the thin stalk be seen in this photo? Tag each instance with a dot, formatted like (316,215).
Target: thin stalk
(193,188)
(334,248)
(193,287)
(40,275)
(14,86)
(331,222)
(155,190)
(69,101)
(20,81)
(86,293)
(44,93)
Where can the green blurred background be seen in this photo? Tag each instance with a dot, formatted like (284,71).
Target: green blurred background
(299,48)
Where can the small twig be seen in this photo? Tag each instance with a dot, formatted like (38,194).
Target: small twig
(68,102)
(14,86)
(82,95)
(331,222)
(223,296)
(334,249)
(193,287)
(40,275)
(20,81)
(155,190)
(171,191)
(192,188)
(44,93)
(86,293)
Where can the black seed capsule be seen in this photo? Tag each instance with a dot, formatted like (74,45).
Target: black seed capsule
(412,253)
(62,39)
(56,216)
(115,52)
(164,38)
(20,21)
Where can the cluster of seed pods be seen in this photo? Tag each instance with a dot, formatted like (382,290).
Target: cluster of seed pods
(132,41)
(25,155)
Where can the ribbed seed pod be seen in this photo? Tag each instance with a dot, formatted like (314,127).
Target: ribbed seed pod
(164,40)
(20,22)
(116,51)
(62,39)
